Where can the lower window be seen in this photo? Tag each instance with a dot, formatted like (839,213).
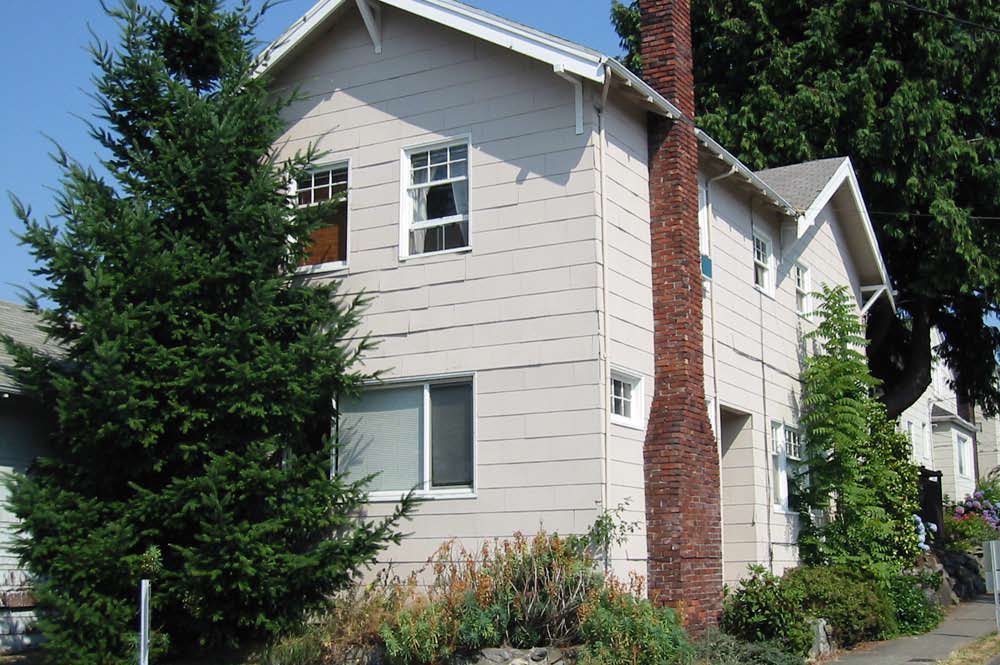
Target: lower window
(417,436)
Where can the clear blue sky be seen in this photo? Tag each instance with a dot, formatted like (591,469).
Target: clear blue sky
(46,79)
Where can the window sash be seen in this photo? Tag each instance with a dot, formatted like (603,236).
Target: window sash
(445,460)
(330,184)
(421,164)
(625,398)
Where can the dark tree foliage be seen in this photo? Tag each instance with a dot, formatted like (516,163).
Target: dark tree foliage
(910,92)
(192,407)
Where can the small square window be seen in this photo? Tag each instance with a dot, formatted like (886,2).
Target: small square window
(626,399)
(329,242)
(435,207)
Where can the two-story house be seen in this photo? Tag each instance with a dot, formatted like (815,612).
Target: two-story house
(552,324)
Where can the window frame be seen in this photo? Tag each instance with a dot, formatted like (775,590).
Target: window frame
(768,266)
(803,291)
(426,491)
(637,399)
(406,223)
(780,494)
(329,266)
(963,453)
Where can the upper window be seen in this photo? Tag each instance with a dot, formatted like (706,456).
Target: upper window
(803,304)
(329,242)
(626,399)
(787,467)
(964,455)
(763,259)
(436,202)
(417,436)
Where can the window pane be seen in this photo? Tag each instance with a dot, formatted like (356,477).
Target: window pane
(419,176)
(459,169)
(419,159)
(459,152)
(451,436)
(456,235)
(441,202)
(439,156)
(382,431)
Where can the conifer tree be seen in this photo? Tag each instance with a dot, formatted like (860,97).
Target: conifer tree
(192,409)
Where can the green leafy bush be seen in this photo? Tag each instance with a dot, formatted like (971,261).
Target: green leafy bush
(619,629)
(423,634)
(856,607)
(764,609)
(966,533)
(915,613)
(717,648)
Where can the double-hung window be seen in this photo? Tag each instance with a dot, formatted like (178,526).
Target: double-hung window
(803,304)
(763,264)
(626,399)
(787,466)
(417,436)
(329,243)
(435,207)
(964,453)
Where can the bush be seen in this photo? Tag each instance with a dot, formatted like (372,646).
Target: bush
(425,633)
(620,629)
(966,533)
(915,612)
(764,609)
(855,607)
(717,648)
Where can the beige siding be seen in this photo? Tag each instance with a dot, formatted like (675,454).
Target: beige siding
(753,367)
(630,309)
(521,309)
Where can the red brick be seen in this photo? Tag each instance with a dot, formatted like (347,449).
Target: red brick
(683,503)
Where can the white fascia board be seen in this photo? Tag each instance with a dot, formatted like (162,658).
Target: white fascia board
(558,53)
(644,89)
(747,174)
(845,173)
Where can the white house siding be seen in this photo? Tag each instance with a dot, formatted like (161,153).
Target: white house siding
(521,309)
(21,441)
(753,373)
(630,310)
(987,442)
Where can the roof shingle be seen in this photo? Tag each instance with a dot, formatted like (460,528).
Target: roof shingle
(800,184)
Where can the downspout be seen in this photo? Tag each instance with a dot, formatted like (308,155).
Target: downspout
(604,338)
(768,439)
(716,407)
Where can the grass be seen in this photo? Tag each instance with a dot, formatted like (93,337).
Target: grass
(977,653)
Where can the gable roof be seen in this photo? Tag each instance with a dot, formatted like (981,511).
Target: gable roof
(22,325)
(800,184)
(564,56)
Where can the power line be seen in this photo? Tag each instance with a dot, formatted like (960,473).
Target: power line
(949,17)
(986,218)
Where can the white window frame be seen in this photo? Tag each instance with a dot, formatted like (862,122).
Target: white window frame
(780,464)
(425,491)
(803,289)
(405,205)
(329,266)
(702,219)
(963,454)
(926,441)
(637,400)
(767,288)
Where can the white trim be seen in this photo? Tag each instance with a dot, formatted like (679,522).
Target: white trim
(637,399)
(406,223)
(330,266)
(371,14)
(805,290)
(770,283)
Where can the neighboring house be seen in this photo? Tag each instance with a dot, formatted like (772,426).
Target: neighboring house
(524,212)
(943,437)
(987,443)
(22,439)
(771,240)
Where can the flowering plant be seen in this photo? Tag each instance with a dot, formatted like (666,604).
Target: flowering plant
(978,504)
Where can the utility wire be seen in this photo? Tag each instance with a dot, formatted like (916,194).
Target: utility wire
(924,214)
(949,17)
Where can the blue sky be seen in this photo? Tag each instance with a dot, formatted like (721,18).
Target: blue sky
(47,78)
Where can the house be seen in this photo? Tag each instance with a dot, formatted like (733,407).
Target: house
(763,263)
(987,443)
(22,439)
(943,434)
(557,335)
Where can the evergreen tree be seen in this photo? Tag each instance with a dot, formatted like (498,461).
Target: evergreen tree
(857,470)
(910,92)
(192,409)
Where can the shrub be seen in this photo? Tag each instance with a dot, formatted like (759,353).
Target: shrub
(717,648)
(915,612)
(620,629)
(855,607)
(425,633)
(764,609)
(966,533)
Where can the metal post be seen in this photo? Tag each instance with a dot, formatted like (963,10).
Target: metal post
(994,564)
(144,622)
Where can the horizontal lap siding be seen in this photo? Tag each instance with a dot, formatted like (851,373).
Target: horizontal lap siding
(630,312)
(521,308)
(757,341)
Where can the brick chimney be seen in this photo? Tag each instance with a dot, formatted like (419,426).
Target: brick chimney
(683,502)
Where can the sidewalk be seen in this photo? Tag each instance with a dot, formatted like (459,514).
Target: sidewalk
(964,625)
